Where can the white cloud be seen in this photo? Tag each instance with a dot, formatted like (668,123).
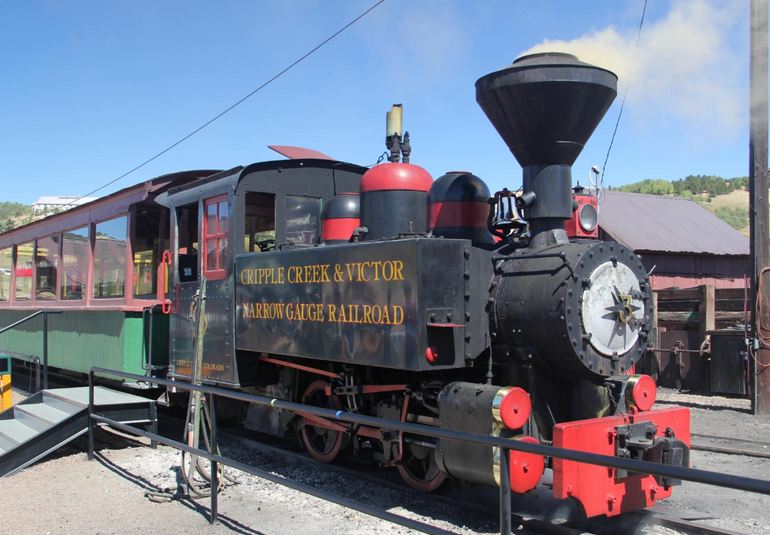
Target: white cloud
(684,65)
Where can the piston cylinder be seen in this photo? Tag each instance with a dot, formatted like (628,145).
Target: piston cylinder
(489,410)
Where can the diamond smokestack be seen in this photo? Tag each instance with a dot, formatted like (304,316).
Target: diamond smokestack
(545,107)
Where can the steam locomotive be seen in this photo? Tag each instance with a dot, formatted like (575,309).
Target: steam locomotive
(383,292)
(436,302)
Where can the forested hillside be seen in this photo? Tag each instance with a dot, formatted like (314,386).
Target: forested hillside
(11,213)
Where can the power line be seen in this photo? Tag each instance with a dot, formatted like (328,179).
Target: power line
(625,91)
(239,102)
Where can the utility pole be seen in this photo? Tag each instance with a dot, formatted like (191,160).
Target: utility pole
(758,212)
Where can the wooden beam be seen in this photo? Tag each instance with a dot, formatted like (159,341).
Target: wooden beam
(695,316)
(707,310)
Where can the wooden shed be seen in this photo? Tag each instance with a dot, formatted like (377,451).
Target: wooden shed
(699,269)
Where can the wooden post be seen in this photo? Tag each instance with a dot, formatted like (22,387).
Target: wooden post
(707,310)
(758,207)
(654,366)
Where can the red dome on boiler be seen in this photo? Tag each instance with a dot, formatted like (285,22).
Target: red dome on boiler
(396,176)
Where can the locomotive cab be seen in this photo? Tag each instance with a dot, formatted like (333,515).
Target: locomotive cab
(264,207)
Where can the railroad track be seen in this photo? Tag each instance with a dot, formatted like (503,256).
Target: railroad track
(731,445)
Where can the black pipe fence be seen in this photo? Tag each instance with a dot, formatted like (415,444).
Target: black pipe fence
(29,359)
(505,444)
(25,319)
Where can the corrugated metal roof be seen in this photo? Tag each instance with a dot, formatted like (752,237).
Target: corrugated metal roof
(667,224)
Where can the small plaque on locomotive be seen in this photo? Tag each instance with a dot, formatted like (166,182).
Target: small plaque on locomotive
(365,303)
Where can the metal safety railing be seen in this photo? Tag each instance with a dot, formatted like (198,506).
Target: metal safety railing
(505,445)
(36,360)
(30,359)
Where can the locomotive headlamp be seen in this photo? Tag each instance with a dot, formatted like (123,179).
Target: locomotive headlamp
(588,217)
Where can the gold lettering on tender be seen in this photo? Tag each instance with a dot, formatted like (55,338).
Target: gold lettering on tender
(367,314)
(398,315)
(331,312)
(385,315)
(387,271)
(398,270)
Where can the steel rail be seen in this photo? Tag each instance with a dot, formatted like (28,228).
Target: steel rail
(644,467)
(725,449)
(690,526)
(730,439)
(730,451)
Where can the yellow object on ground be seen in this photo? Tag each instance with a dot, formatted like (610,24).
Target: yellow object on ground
(5,383)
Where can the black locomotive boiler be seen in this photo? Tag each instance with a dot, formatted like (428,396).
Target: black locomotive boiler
(434,301)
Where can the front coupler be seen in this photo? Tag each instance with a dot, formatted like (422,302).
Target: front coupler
(661,436)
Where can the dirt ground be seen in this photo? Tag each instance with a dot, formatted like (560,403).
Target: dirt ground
(68,494)
(725,508)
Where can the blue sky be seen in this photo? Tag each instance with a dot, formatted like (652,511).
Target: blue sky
(92,88)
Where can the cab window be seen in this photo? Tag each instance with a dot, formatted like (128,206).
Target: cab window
(302,219)
(259,223)
(215,224)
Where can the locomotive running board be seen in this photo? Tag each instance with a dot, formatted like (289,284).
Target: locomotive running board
(48,420)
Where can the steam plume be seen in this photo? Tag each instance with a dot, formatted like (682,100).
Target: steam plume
(683,66)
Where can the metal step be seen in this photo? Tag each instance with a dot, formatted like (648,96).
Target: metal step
(16,431)
(55,401)
(6,444)
(52,418)
(43,412)
(29,419)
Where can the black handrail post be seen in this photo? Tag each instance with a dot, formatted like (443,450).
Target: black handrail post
(90,415)
(37,375)
(154,423)
(214,464)
(505,492)
(45,350)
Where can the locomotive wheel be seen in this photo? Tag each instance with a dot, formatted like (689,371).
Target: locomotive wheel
(419,468)
(323,445)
